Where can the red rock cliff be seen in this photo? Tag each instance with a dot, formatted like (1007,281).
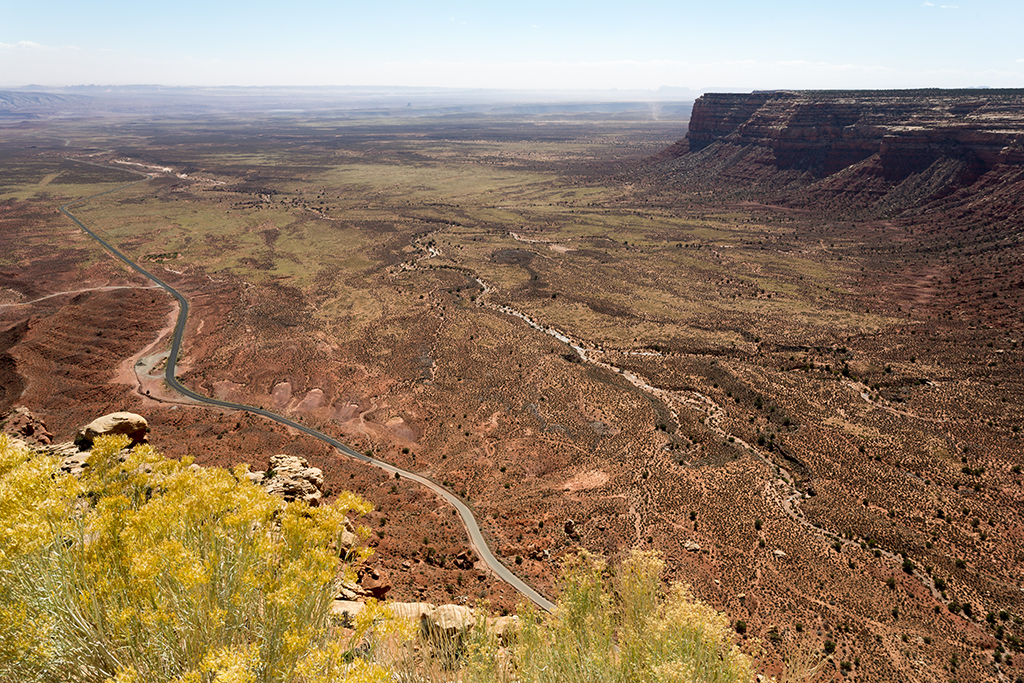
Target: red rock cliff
(935,143)
(824,132)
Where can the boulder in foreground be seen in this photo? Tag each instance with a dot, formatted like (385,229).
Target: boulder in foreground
(134,426)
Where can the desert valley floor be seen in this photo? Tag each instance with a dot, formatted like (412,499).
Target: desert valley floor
(812,408)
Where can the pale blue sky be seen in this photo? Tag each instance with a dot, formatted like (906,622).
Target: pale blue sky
(557,44)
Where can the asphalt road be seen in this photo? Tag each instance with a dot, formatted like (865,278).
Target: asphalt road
(476,538)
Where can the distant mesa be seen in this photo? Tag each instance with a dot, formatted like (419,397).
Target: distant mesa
(890,151)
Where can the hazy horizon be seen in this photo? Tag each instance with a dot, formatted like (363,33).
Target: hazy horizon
(611,95)
(534,46)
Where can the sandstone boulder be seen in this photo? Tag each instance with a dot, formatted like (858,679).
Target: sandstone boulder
(450,620)
(134,426)
(292,478)
(348,540)
(465,560)
(444,623)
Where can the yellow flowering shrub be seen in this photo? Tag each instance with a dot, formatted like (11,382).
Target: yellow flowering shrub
(616,627)
(388,641)
(28,497)
(148,570)
(153,570)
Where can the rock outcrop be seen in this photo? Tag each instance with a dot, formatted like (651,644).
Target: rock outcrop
(292,478)
(374,581)
(130,424)
(72,460)
(22,424)
(411,610)
(466,559)
(450,620)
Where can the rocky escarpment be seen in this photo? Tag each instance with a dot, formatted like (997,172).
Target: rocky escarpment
(889,150)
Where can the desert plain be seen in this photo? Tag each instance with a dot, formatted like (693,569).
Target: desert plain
(813,410)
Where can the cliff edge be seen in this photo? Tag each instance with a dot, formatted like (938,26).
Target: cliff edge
(887,151)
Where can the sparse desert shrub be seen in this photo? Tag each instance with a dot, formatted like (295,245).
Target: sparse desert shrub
(147,569)
(626,628)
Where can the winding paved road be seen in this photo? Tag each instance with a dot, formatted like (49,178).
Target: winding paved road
(476,538)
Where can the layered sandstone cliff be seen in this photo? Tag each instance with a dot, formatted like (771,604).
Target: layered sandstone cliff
(825,132)
(857,145)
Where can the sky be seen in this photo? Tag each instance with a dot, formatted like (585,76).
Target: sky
(710,45)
